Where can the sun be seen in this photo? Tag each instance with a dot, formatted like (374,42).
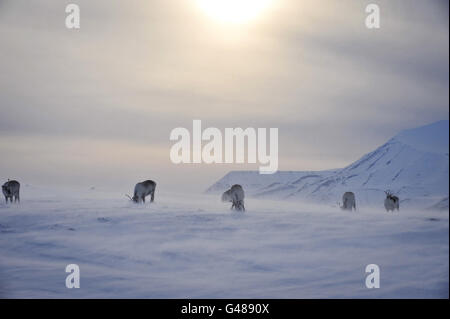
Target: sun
(233,11)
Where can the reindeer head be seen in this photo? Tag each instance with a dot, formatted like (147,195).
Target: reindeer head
(226,197)
(134,198)
(389,194)
(6,191)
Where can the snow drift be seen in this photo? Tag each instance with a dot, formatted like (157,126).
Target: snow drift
(195,247)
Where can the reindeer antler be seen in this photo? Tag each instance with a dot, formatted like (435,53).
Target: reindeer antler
(128,196)
(389,193)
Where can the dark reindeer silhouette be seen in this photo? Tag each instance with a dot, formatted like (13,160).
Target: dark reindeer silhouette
(348,201)
(391,202)
(143,189)
(235,195)
(10,189)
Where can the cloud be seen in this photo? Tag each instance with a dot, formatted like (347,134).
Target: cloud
(135,70)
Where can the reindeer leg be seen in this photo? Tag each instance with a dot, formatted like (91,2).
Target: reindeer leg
(153,197)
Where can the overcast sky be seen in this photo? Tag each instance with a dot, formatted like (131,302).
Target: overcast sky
(95,106)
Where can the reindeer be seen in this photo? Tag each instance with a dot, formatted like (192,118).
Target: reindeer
(391,202)
(143,189)
(348,200)
(235,195)
(10,189)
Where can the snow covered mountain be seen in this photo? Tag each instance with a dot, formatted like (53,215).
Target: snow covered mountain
(414,165)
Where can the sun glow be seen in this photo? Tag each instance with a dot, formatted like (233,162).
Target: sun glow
(233,11)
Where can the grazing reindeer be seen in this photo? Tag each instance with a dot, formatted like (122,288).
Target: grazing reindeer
(391,202)
(235,195)
(348,200)
(10,189)
(143,189)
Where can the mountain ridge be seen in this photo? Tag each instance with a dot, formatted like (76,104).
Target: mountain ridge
(413,164)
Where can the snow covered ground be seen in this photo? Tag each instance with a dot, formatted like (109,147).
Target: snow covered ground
(195,247)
